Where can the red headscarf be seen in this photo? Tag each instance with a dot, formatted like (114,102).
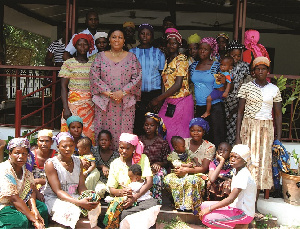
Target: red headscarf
(87,37)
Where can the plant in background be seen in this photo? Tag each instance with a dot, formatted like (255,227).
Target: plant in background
(297,161)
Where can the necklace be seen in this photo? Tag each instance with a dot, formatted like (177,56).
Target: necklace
(66,163)
(116,54)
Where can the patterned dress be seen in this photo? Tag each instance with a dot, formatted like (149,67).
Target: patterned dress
(109,76)
(241,74)
(188,191)
(79,97)
(157,152)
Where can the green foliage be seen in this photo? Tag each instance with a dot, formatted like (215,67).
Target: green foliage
(25,39)
(175,224)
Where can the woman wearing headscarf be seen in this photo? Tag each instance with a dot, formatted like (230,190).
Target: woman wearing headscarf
(18,205)
(193,47)
(152,61)
(202,75)
(186,184)
(131,152)
(240,74)
(75,86)
(222,40)
(253,49)
(177,102)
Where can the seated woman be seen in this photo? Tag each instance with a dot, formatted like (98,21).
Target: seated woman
(218,186)
(75,126)
(41,154)
(18,205)
(145,212)
(187,191)
(65,182)
(157,150)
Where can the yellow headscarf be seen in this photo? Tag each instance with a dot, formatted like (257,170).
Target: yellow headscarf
(193,39)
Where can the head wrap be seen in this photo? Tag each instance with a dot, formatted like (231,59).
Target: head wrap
(161,129)
(200,122)
(171,30)
(18,142)
(243,151)
(45,133)
(100,34)
(128,24)
(74,119)
(63,136)
(146,26)
(175,35)
(133,140)
(224,35)
(234,45)
(213,45)
(194,39)
(261,60)
(251,43)
(87,37)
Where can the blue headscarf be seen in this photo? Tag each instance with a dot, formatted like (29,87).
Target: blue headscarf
(200,122)
(74,119)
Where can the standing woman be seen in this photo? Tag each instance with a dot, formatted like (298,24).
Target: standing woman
(75,86)
(18,205)
(116,77)
(178,105)
(202,75)
(240,74)
(152,61)
(255,122)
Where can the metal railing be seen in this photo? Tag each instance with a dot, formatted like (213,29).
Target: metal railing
(27,83)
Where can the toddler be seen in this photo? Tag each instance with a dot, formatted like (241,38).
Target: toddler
(220,90)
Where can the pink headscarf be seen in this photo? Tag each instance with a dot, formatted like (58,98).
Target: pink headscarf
(171,30)
(213,44)
(251,43)
(133,140)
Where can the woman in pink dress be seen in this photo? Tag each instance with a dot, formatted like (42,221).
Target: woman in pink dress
(116,78)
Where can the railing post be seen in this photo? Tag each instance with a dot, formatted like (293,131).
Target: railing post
(54,73)
(18,113)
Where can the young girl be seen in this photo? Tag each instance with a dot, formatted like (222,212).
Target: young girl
(218,186)
(104,157)
(91,174)
(239,206)
(157,150)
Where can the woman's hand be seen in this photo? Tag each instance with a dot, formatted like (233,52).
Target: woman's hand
(220,158)
(129,202)
(155,105)
(105,170)
(38,224)
(86,204)
(181,171)
(155,168)
(203,212)
(117,96)
(37,215)
(67,113)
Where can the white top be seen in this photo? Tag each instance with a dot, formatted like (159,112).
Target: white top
(71,49)
(136,186)
(269,92)
(247,197)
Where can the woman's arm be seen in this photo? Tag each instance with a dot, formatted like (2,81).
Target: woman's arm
(184,170)
(81,185)
(64,97)
(239,120)
(278,119)
(172,90)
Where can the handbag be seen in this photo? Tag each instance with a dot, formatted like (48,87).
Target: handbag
(170,110)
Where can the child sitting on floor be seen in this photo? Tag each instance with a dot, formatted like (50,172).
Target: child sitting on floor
(181,156)
(220,90)
(91,174)
(239,206)
(218,186)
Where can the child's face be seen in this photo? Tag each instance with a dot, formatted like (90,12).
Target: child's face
(82,149)
(134,178)
(150,126)
(180,146)
(75,129)
(236,54)
(226,65)
(236,161)
(104,141)
(224,150)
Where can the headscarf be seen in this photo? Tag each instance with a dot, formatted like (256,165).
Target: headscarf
(45,133)
(100,34)
(193,39)
(234,45)
(63,136)
(133,140)
(146,26)
(171,30)
(87,37)
(200,122)
(128,24)
(175,35)
(161,129)
(224,35)
(213,44)
(18,142)
(74,118)
(243,151)
(261,60)
(251,43)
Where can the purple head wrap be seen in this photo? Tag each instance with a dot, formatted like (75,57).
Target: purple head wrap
(63,136)
(200,122)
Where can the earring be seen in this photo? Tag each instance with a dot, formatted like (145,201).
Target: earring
(210,57)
